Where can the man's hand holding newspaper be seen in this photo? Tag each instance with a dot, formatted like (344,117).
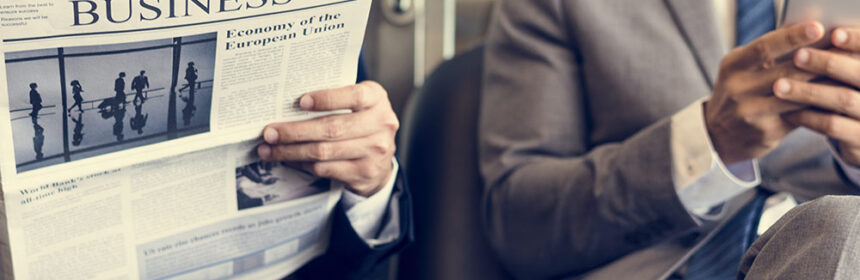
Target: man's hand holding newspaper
(355,148)
(132,143)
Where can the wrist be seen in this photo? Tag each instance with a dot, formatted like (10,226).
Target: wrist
(714,131)
(850,155)
(373,188)
(366,191)
(724,151)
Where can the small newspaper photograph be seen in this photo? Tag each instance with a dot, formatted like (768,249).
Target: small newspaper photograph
(130,127)
(104,80)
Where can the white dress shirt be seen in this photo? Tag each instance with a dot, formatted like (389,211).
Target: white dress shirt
(702,180)
(367,214)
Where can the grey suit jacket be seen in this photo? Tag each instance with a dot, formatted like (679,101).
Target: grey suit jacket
(575,135)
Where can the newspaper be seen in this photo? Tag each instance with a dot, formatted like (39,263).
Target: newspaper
(128,130)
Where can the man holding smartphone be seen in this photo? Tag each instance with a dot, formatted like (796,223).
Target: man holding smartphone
(636,146)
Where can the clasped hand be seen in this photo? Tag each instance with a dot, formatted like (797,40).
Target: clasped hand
(759,98)
(832,108)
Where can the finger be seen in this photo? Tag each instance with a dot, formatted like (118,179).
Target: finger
(317,151)
(761,83)
(777,126)
(328,128)
(832,125)
(787,70)
(844,52)
(837,66)
(761,106)
(846,39)
(356,97)
(835,98)
(362,175)
(329,151)
(779,42)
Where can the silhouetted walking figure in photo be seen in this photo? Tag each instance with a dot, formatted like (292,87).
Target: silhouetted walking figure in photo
(76,95)
(139,120)
(78,135)
(35,100)
(119,88)
(38,138)
(188,111)
(190,77)
(139,83)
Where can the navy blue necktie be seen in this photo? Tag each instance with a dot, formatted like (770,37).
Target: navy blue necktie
(755,18)
(719,257)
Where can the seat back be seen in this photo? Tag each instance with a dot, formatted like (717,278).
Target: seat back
(439,153)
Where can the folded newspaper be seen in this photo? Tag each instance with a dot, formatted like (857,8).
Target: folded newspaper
(128,129)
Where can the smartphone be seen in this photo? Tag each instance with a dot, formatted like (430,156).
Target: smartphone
(831,13)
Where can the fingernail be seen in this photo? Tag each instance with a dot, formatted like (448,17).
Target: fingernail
(814,30)
(307,102)
(802,56)
(264,151)
(782,88)
(840,37)
(270,135)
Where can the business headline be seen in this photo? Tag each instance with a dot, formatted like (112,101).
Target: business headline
(265,35)
(89,12)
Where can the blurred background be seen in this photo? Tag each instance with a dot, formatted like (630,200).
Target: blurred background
(407,39)
(428,55)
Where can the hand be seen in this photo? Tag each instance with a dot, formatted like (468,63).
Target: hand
(355,148)
(743,118)
(840,117)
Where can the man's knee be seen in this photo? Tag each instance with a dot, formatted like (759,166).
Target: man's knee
(832,206)
(817,232)
(834,216)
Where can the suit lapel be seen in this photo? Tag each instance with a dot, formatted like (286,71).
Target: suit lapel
(697,23)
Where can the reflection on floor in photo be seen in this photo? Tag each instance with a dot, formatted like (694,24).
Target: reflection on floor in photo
(105,126)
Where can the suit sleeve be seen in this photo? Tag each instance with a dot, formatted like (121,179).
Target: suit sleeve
(349,256)
(555,203)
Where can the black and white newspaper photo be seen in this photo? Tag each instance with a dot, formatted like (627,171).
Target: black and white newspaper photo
(115,97)
(266,183)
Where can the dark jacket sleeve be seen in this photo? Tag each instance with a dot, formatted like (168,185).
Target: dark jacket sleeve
(349,257)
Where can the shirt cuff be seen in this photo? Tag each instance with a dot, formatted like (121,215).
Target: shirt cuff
(367,214)
(702,180)
(850,171)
